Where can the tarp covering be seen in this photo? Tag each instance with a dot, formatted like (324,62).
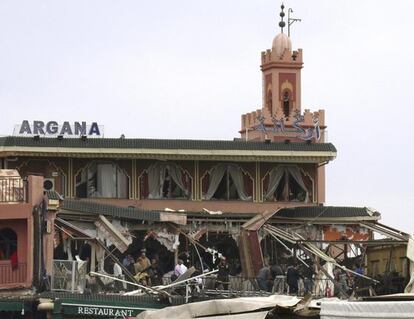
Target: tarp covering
(367,309)
(249,315)
(221,307)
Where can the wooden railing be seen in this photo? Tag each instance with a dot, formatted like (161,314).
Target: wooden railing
(8,275)
(12,190)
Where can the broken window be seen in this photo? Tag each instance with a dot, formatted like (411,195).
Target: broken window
(227,182)
(8,243)
(286,184)
(164,180)
(102,180)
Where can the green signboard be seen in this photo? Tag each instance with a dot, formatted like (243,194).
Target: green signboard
(12,305)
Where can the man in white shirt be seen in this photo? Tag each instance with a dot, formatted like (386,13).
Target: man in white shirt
(118,274)
(180,268)
(117,271)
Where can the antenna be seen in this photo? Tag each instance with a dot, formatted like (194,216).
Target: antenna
(291,20)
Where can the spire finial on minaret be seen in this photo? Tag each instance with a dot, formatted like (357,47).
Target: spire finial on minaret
(282,23)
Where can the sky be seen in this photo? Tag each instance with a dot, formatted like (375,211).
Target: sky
(189,69)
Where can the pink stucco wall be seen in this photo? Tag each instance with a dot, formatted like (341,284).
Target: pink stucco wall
(19,217)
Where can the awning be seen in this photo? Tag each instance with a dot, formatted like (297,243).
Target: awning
(90,207)
(259,220)
(113,234)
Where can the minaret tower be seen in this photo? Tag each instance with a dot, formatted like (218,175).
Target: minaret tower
(281,111)
(281,74)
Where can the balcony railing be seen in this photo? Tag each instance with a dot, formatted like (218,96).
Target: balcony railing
(67,276)
(12,190)
(8,275)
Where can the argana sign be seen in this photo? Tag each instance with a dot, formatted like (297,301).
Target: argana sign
(53,129)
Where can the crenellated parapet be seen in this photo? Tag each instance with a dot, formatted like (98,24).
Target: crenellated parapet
(261,125)
(272,56)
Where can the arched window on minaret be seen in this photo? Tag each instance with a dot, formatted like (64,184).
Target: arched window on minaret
(286,103)
(269,101)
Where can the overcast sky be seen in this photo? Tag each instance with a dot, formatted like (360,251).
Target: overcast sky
(189,69)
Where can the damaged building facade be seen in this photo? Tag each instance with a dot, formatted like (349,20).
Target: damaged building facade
(257,199)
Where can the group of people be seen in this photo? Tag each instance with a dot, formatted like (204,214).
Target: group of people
(150,272)
(293,279)
(146,272)
(274,278)
(299,279)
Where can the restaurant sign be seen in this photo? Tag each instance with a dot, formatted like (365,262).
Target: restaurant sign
(54,129)
(107,311)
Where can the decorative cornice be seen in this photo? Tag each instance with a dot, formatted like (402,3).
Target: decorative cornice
(281,65)
(174,154)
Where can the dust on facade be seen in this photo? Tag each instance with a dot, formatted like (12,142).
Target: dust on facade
(111,227)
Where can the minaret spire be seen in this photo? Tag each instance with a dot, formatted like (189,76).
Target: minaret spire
(282,23)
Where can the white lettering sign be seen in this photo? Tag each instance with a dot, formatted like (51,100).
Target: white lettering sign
(98,311)
(53,129)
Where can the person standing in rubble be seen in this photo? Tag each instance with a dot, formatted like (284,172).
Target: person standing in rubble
(223,274)
(143,263)
(264,278)
(117,272)
(185,257)
(180,269)
(307,273)
(128,263)
(279,279)
(358,282)
(155,273)
(292,275)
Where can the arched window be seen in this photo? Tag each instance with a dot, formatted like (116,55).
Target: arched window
(269,101)
(286,183)
(165,180)
(8,243)
(286,103)
(227,182)
(102,180)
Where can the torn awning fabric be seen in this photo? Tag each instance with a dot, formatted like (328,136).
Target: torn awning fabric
(113,234)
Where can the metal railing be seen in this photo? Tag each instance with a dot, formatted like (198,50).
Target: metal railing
(12,190)
(10,275)
(67,276)
(317,287)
